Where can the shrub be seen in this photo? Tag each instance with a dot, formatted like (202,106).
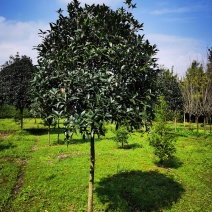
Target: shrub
(161,138)
(121,135)
(164,147)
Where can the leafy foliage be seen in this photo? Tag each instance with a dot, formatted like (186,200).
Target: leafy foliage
(15,77)
(94,66)
(121,135)
(169,87)
(106,70)
(160,137)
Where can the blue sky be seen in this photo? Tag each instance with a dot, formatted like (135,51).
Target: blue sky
(181,29)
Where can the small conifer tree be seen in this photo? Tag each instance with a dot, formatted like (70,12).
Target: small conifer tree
(161,137)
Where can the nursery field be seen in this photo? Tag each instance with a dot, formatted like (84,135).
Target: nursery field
(36,177)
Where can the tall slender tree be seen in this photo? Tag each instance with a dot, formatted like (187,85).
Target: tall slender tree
(102,65)
(196,81)
(188,101)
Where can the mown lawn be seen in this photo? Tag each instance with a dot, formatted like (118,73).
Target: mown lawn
(37,177)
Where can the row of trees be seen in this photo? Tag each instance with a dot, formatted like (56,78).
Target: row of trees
(190,95)
(197,91)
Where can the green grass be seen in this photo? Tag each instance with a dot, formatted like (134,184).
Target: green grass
(37,177)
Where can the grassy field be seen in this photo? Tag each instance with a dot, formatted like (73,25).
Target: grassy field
(37,177)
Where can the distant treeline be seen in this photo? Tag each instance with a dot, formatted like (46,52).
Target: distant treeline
(9,111)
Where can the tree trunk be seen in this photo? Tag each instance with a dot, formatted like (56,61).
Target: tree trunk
(21,113)
(49,134)
(189,121)
(184,119)
(58,134)
(205,127)
(91,177)
(197,125)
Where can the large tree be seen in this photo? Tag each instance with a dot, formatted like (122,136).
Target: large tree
(101,67)
(15,77)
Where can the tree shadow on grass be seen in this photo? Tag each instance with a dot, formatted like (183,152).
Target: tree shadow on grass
(130,146)
(173,162)
(43,131)
(138,191)
(9,145)
(36,131)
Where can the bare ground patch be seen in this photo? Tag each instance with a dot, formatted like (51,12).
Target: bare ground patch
(4,134)
(20,177)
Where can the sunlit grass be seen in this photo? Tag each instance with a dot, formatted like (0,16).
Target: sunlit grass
(39,177)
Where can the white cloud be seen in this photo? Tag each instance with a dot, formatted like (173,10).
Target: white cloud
(176,10)
(178,51)
(173,50)
(19,37)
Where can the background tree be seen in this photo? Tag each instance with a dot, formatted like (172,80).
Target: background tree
(188,101)
(196,80)
(169,87)
(45,97)
(207,97)
(104,66)
(15,77)
(122,135)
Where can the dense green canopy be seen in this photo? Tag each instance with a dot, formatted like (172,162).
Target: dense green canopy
(15,79)
(104,65)
(95,66)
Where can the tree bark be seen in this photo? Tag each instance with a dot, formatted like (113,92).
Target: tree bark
(91,177)
(184,119)
(205,127)
(189,121)
(197,125)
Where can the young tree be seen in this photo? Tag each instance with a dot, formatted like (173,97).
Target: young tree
(45,97)
(104,66)
(15,78)
(121,135)
(160,137)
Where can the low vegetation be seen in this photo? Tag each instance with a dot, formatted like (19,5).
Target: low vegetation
(38,177)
